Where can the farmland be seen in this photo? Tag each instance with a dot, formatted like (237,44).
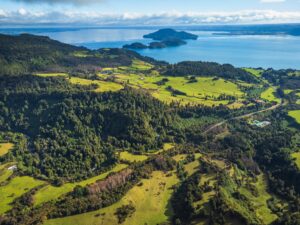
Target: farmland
(296,156)
(5,148)
(49,192)
(205,91)
(152,209)
(295,114)
(14,189)
(4,172)
(269,95)
(131,157)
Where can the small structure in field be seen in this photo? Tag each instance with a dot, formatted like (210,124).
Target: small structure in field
(12,168)
(260,124)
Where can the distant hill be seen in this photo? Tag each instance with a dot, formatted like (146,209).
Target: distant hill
(27,53)
(165,34)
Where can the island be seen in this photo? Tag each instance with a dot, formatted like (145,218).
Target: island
(163,38)
(135,45)
(164,34)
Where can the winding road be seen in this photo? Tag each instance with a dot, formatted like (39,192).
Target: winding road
(244,116)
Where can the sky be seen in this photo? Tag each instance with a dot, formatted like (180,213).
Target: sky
(151,12)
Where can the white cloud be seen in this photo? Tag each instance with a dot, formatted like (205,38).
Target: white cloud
(162,18)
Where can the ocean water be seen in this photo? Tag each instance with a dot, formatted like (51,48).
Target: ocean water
(276,51)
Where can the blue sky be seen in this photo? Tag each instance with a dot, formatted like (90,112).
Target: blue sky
(140,12)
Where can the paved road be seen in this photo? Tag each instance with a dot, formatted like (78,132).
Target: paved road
(244,116)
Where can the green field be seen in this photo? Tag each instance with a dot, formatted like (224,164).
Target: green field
(295,114)
(166,147)
(269,95)
(103,86)
(296,156)
(49,192)
(5,148)
(4,172)
(150,201)
(204,91)
(260,202)
(255,72)
(52,74)
(14,189)
(137,65)
(287,91)
(131,157)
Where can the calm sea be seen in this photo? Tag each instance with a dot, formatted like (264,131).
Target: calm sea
(277,51)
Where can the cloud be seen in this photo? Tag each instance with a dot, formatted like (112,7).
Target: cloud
(23,16)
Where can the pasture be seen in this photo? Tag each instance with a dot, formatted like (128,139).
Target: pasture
(4,172)
(52,74)
(255,72)
(5,148)
(206,90)
(102,86)
(295,114)
(14,189)
(127,156)
(259,202)
(296,156)
(151,201)
(269,95)
(52,193)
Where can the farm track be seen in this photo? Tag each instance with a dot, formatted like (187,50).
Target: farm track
(244,116)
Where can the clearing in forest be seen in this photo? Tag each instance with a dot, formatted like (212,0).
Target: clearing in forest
(49,192)
(151,202)
(5,148)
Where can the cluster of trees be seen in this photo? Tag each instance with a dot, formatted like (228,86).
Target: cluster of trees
(225,71)
(286,79)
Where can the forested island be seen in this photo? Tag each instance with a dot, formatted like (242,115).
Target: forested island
(164,38)
(109,136)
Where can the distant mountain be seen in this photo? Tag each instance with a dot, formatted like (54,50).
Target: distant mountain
(165,34)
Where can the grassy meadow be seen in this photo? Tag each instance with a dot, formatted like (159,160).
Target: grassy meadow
(151,201)
(127,156)
(259,202)
(205,91)
(296,156)
(52,193)
(4,172)
(5,148)
(295,114)
(255,72)
(269,95)
(14,189)
(103,86)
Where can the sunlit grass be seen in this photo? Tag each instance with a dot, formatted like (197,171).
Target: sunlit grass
(5,148)
(149,199)
(49,192)
(295,114)
(14,189)
(269,95)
